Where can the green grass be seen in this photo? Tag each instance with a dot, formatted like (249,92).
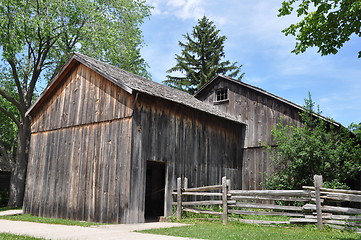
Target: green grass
(7,236)
(8,208)
(30,218)
(190,215)
(239,231)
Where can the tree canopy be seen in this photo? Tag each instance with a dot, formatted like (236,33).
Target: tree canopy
(37,37)
(326,24)
(319,147)
(201,58)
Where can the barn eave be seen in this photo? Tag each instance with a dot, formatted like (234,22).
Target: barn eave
(263,92)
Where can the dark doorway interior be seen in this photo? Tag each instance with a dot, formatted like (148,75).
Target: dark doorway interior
(154,193)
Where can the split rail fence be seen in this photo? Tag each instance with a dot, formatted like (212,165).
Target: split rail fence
(336,208)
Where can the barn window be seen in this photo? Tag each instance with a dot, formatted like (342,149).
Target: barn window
(221,95)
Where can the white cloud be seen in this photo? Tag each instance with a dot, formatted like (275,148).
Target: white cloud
(254,80)
(254,38)
(182,9)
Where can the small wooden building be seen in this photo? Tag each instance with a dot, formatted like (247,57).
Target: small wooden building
(107,145)
(260,111)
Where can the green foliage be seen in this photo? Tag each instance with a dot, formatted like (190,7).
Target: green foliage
(201,58)
(326,24)
(319,147)
(37,37)
(8,208)
(356,129)
(234,230)
(8,128)
(106,30)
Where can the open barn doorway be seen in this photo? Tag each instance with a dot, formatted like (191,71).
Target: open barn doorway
(154,192)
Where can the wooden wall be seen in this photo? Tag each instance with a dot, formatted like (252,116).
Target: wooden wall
(79,160)
(82,97)
(260,113)
(80,173)
(89,149)
(193,144)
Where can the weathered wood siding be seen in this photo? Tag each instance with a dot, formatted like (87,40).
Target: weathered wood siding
(193,144)
(79,164)
(260,113)
(80,173)
(91,141)
(82,97)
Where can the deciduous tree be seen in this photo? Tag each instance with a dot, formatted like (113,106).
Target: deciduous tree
(325,24)
(318,147)
(201,58)
(36,38)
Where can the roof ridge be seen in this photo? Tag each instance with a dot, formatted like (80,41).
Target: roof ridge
(131,82)
(263,92)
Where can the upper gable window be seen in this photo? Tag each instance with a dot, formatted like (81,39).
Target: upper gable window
(221,95)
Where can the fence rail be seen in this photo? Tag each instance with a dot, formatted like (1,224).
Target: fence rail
(312,205)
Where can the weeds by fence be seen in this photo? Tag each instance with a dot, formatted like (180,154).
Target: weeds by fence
(309,205)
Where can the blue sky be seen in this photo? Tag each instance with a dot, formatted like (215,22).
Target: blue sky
(254,39)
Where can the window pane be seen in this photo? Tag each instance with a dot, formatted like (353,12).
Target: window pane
(221,94)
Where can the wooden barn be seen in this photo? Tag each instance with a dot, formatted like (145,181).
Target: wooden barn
(260,111)
(107,145)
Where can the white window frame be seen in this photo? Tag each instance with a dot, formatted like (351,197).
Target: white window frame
(221,95)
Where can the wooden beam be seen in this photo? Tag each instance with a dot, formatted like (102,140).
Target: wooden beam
(283,193)
(206,188)
(179,199)
(224,201)
(317,179)
(333,190)
(195,210)
(268,206)
(342,210)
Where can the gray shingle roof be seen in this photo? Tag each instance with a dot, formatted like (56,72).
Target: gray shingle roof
(261,91)
(131,82)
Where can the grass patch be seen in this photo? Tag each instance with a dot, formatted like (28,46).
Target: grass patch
(188,217)
(239,231)
(7,236)
(262,217)
(191,215)
(8,208)
(30,218)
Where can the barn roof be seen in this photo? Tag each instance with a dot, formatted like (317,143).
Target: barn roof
(131,82)
(261,91)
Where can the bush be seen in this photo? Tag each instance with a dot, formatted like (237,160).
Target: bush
(319,147)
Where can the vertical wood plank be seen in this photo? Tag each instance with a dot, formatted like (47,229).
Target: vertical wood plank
(318,184)
(224,201)
(179,199)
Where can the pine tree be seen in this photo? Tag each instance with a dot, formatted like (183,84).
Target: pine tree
(201,58)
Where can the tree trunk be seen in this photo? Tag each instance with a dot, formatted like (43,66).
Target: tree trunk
(19,168)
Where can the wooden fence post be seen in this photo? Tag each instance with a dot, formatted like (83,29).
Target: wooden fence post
(317,179)
(185,183)
(229,184)
(179,198)
(224,200)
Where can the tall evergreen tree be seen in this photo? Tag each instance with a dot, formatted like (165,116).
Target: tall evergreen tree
(201,58)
